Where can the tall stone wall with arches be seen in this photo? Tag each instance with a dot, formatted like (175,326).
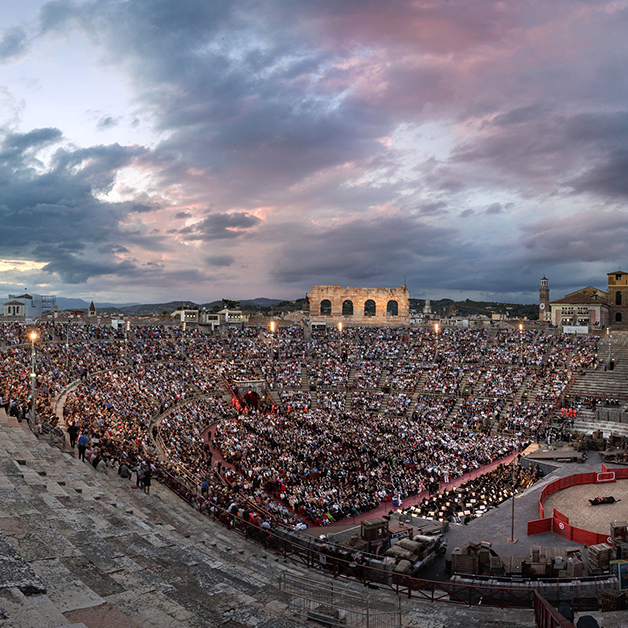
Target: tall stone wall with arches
(360,306)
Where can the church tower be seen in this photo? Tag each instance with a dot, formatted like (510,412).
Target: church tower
(545,313)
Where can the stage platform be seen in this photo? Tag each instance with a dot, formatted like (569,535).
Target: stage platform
(574,502)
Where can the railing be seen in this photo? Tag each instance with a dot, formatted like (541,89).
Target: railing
(546,616)
(339,565)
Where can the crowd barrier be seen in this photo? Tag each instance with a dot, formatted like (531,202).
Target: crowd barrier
(559,522)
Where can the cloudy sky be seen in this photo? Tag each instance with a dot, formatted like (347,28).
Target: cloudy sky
(166,149)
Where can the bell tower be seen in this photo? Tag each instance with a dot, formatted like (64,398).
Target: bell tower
(545,313)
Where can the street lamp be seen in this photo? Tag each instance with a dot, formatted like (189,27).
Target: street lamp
(608,338)
(183,328)
(67,348)
(33,336)
(127,328)
(340,338)
(521,343)
(436,328)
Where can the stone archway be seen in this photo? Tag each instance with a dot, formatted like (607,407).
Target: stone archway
(334,304)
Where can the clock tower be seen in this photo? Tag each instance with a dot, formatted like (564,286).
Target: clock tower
(545,313)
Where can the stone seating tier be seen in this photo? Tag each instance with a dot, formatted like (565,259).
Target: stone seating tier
(83,549)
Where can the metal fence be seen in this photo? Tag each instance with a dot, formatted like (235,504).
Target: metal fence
(333,605)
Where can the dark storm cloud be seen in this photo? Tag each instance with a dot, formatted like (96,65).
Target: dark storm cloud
(435,208)
(361,250)
(220,226)
(234,87)
(53,215)
(107,122)
(220,260)
(13,42)
(608,178)
(595,236)
(15,144)
(73,268)
(497,208)
(293,106)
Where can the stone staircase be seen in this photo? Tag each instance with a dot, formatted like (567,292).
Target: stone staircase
(384,405)
(351,377)
(454,412)
(85,550)
(348,400)
(526,386)
(89,546)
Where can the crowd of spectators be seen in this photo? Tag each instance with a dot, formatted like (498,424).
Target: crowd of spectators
(320,465)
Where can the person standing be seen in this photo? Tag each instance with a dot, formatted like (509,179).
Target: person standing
(146,479)
(73,431)
(140,475)
(82,445)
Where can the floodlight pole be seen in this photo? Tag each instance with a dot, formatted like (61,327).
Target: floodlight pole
(512,521)
(33,337)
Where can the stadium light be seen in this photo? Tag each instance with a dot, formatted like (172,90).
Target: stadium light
(33,337)
(273,326)
(436,327)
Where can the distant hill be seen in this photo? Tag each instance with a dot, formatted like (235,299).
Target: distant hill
(80,304)
(447,307)
(263,305)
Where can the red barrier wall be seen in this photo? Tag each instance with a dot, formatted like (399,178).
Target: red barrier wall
(559,522)
(538,526)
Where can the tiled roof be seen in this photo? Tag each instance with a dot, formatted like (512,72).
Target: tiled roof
(586,296)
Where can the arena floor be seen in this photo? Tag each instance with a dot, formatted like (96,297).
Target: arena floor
(574,502)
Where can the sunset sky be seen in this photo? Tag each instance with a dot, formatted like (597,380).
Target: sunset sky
(197,149)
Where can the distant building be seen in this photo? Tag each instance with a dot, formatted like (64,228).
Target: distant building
(585,309)
(187,315)
(427,308)
(91,312)
(544,301)
(28,305)
(618,298)
(359,306)
(14,308)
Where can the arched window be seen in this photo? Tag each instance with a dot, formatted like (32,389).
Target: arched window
(618,317)
(618,298)
(370,309)
(392,309)
(325,307)
(347,308)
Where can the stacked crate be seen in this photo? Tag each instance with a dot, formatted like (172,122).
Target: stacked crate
(463,561)
(600,556)
(612,600)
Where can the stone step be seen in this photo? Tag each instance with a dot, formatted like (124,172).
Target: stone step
(110,555)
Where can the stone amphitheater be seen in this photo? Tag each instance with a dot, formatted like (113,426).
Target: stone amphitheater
(82,548)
